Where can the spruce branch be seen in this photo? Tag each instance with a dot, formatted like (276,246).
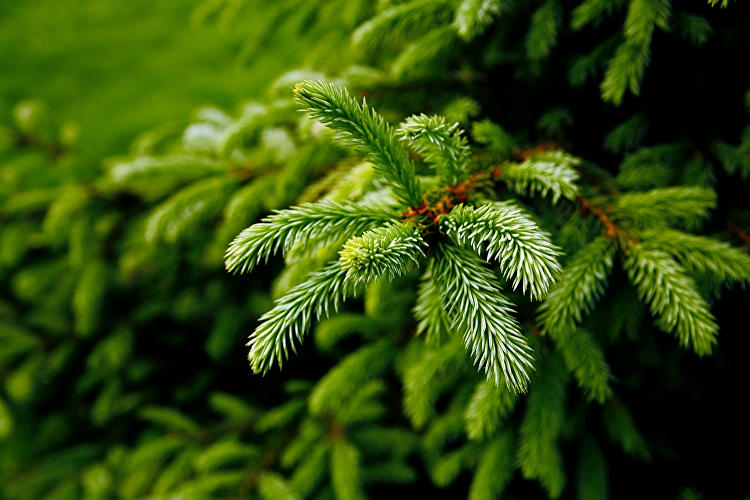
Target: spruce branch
(361,126)
(686,205)
(384,251)
(496,138)
(502,231)
(585,360)
(474,16)
(494,469)
(591,11)
(484,316)
(672,296)
(287,322)
(701,254)
(593,474)
(422,380)
(621,428)
(551,172)
(420,57)
(348,376)
(542,33)
(538,453)
(432,320)
(346,471)
(581,284)
(627,67)
(297,226)
(442,144)
(401,21)
(489,404)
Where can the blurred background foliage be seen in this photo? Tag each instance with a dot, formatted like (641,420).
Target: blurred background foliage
(119,68)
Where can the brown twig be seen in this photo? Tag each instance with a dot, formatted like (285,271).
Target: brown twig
(741,233)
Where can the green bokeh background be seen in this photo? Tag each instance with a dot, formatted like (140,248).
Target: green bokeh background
(118,68)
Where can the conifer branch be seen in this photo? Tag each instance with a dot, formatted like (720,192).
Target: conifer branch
(386,251)
(701,254)
(581,284)
(538,453)
(590,11)
(484,316)
(627,67)
(672,296)
(546,173)
(494,469)
(442,144)
(542,33)
(297,226)
(366,130)
(666,206)
(400,21)
(488,405)
(473,16)
(285,325)
(432,320)
(585,360)
(501,231)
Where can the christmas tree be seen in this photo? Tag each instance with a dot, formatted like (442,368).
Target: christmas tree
(481,249)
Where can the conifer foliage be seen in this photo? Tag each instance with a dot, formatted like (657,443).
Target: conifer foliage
(485,251)
(415,221)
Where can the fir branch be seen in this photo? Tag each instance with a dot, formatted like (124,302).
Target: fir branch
(484,316)
(298,225)
(672,296)
(442,144)
(502,231)
(290,318)
(312,469)
(366,130)
(387,251)
(546,173)
(581,284)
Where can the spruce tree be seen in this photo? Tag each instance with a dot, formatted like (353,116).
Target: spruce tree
(485,214)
